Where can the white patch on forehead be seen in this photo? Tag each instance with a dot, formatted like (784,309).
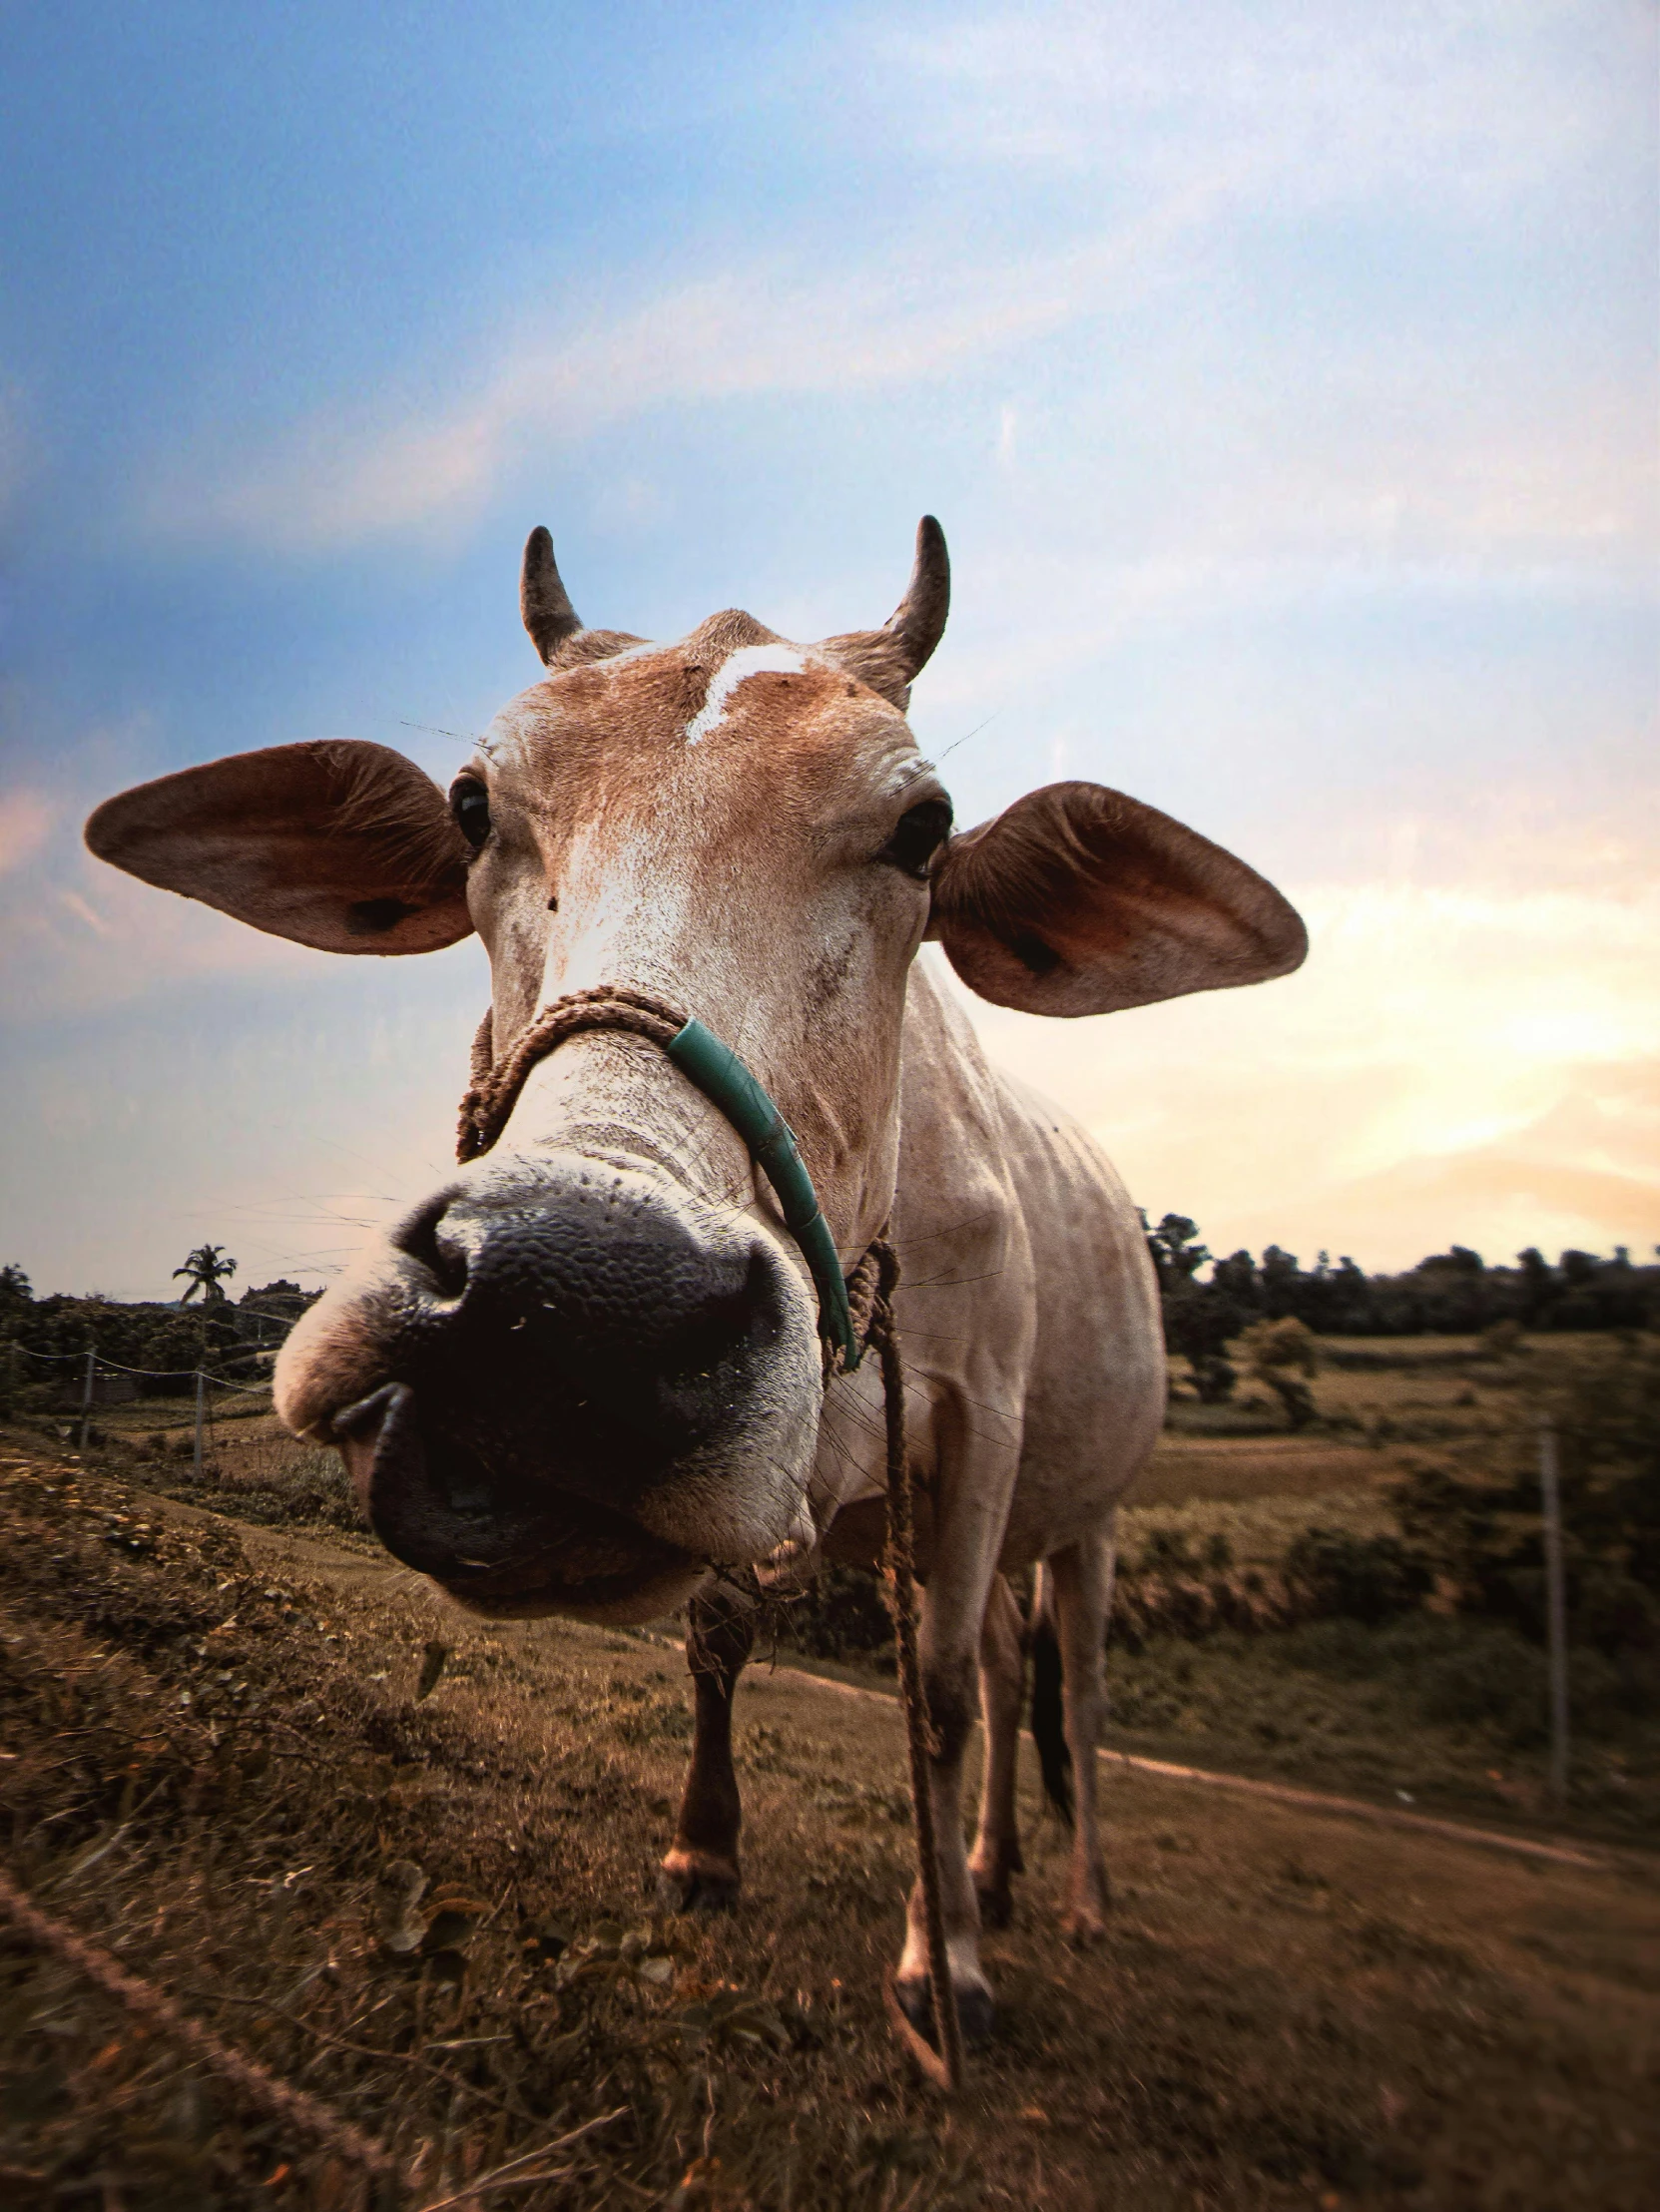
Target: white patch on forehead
(749,659)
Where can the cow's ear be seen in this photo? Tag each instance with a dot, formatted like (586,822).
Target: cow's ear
(338,845)
(1078,900)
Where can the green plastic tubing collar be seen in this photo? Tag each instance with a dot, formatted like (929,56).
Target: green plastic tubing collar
(724,1079)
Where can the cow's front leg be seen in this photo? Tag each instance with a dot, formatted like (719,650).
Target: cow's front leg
(997,1853)
(701,1872)
(1083,1598)
(954,1611)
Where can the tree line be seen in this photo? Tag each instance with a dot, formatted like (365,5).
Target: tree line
(170,1341)
(1452,1293)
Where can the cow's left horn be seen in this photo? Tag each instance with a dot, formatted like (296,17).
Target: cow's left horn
(888,659)
(543,599)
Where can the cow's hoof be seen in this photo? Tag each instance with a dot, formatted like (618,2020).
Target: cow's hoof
(693,1882)
(997,1905)
(976,2014)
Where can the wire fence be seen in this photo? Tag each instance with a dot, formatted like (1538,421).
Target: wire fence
(199,1381)
(222,1427)
(115,1366)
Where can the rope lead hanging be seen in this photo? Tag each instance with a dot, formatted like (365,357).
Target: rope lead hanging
(853,1312)
(941,2062)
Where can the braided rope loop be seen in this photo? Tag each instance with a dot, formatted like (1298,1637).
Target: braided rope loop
(495,1086)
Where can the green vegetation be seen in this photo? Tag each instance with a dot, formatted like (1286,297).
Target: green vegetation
(1450,1292)
(1332,1569)
(158,1346)
(425,1896)
(1445,1714)
(207,1269)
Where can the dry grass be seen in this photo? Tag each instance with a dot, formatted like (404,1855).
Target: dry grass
(1258,1529)
(1234,1469)
(1378,1392)
(1288,2011)
(251,1464)
(1404,1392)
(1454,1390)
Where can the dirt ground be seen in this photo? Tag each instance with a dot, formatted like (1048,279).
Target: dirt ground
(436,1915)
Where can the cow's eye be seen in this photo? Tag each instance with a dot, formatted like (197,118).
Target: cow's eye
(920,834)
(470,803)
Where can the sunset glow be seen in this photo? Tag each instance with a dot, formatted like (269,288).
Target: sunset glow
(1287,393)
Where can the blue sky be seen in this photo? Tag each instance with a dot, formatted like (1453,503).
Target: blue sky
(1285,380)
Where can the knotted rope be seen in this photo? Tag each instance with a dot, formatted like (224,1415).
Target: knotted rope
(943,2065)
(485,1111)
(496,1084)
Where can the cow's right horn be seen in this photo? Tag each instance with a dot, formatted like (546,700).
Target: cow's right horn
(543,599)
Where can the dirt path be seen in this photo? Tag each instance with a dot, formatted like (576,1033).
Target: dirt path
(349,1570)
(1297,2004)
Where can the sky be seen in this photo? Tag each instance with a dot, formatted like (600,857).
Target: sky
(1286,380)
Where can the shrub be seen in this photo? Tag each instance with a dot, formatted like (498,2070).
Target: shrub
(842,1614)
(1330,1571)
(1279,1354)
(1494,1682)
(1213,1378)
(1166,1551)
(1476,1516)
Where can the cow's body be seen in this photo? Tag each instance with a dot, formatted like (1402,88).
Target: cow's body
(587,1369)
(1027,1306)
(1035,1381)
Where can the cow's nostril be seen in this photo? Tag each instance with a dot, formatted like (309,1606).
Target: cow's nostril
(421,1236)
(582,1319)
(691,1380)
(749,1317)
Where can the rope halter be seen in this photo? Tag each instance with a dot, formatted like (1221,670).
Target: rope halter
(717,1071)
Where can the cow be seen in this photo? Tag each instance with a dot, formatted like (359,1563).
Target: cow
(583,1376)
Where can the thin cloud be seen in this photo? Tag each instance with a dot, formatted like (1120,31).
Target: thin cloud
(1442,104)
(25,821)
(74,903)
(78,938)
(1446,1064)
(763,329)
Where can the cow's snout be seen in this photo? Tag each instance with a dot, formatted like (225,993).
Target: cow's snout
(501,1549)
(563,1384)
(594,1304)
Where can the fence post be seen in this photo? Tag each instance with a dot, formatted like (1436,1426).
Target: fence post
(1556,1616)
(86,1395)
(200,1403)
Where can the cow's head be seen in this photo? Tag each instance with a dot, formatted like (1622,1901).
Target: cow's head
(587,1364)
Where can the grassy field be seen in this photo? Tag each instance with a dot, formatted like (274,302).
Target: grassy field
(436,1915)
(1445,1714)
(1449,1717)
(247,1456)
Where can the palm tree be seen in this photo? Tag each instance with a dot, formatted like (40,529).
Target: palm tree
(207,1267)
